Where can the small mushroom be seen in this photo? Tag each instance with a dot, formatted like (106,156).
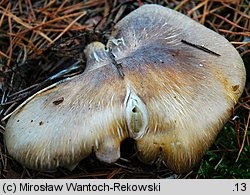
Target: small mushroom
(164,80)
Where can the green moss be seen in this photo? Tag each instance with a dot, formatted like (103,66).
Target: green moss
(221,160)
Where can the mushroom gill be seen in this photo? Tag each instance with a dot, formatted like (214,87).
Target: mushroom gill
(164,80)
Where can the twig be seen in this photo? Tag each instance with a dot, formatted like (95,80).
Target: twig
(200,47)
(228,21)
(67,28)
(244,138)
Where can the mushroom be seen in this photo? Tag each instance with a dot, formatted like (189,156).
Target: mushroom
(164,80)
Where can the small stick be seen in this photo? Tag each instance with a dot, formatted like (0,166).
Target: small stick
(200,47)
(117,65)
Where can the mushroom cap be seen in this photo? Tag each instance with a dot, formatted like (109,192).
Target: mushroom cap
(181,83)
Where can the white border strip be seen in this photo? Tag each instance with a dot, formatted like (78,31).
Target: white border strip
(125,186)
